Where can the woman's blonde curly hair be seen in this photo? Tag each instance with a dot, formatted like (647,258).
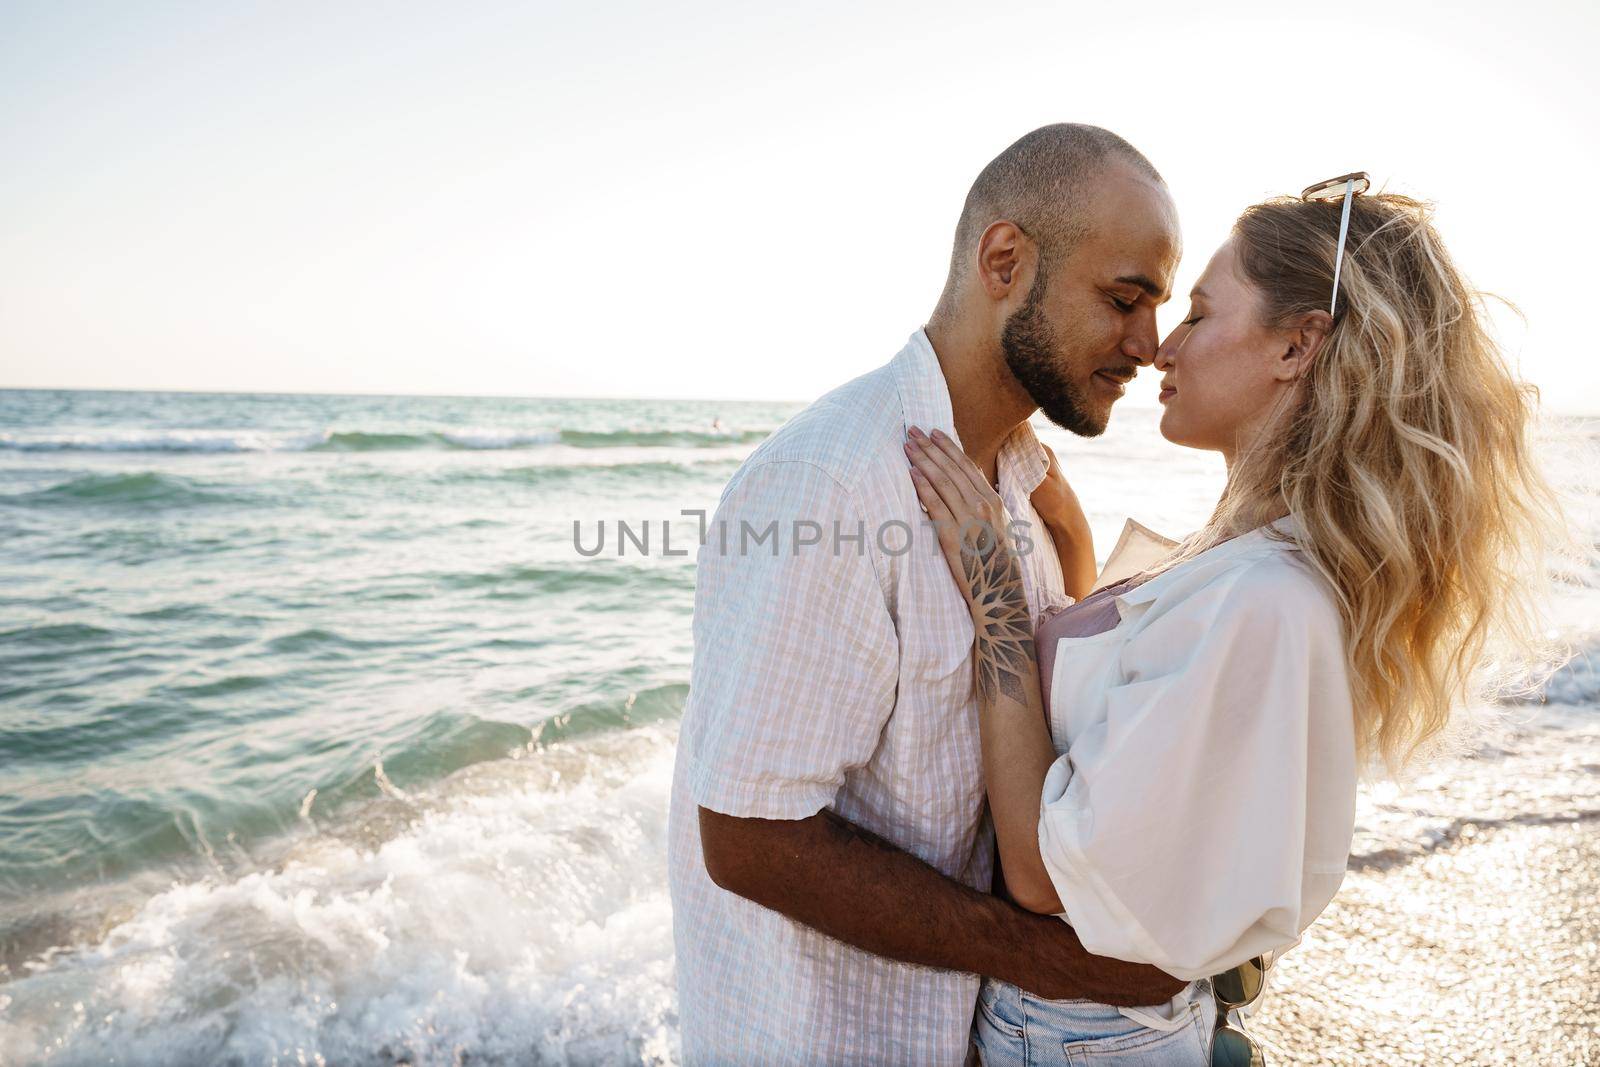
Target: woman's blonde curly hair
(1406,458)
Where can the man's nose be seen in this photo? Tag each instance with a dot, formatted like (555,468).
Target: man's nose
(1139,343)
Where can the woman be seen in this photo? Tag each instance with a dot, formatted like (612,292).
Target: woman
(1179,785)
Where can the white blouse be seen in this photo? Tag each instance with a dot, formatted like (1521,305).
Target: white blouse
(1203,802)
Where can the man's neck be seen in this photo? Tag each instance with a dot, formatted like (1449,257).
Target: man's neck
(986,402)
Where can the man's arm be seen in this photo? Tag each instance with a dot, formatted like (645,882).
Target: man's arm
(851,884)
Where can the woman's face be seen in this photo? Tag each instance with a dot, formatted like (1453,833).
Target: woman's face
(1223,372)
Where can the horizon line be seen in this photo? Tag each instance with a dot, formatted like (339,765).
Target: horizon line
(436,396)
(1574,413)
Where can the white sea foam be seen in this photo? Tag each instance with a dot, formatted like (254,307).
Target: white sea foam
(258,440)
(519,915)
(490,438)
(163,441)
(244,440)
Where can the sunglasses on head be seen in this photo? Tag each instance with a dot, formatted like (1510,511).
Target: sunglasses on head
(1345,187)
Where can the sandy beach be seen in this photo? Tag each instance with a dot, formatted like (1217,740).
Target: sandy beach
(1468,928)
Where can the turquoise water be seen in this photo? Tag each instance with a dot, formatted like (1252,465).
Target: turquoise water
(319,736)
(214,604)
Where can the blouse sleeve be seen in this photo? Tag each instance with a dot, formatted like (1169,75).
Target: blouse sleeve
(1208,816)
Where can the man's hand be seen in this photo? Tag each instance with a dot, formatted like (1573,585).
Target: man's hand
(1058,966)
(1057,504)
(850,884)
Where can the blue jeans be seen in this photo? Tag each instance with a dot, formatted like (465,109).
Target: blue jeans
(1017,1029)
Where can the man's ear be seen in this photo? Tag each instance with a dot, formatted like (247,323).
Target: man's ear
(1305,335)
(1007,258)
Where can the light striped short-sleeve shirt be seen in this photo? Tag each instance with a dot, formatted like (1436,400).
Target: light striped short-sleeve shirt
(832,669)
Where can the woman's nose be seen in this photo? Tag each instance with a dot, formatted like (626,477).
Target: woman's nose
(1164,354)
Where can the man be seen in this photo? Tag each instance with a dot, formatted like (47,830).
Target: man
(830,855)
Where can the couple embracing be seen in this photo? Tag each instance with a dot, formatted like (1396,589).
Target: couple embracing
(947,793)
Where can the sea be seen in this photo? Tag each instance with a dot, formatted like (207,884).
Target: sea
(340,729)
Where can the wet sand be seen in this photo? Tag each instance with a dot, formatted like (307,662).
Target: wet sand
(1468,928)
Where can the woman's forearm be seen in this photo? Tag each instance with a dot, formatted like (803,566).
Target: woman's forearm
(1015,738)
(1014,733)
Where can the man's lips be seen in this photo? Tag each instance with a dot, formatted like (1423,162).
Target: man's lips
(1116,379)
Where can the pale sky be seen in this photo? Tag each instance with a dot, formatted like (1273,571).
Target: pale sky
(720,200)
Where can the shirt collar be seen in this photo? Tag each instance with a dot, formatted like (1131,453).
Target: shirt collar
(925,401)
(1262,540)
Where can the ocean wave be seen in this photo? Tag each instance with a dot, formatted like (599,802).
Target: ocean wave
(481,440)
(162,441)
(648,472)
(660,438)
(467,439)
(496,440)
(74,832)
(1577,681)
(516,580)
(651,705)
(149,489)
(54,634)
(515,913)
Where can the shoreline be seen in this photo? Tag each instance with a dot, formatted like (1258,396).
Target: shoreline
(1468,927)
(1466,930)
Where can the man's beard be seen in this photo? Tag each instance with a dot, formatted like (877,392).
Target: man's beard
(1031,346)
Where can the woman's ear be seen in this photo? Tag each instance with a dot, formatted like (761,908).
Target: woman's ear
(1304,335)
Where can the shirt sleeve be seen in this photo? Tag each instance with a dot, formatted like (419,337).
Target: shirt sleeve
(1208,816)
(796,655)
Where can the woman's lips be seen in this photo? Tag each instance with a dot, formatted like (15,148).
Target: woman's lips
(1167,393)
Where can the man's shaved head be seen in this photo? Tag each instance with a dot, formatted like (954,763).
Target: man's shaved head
(1067,243)
(1045,184)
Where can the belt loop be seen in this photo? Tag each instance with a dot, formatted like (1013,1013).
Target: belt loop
(1179,1005)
